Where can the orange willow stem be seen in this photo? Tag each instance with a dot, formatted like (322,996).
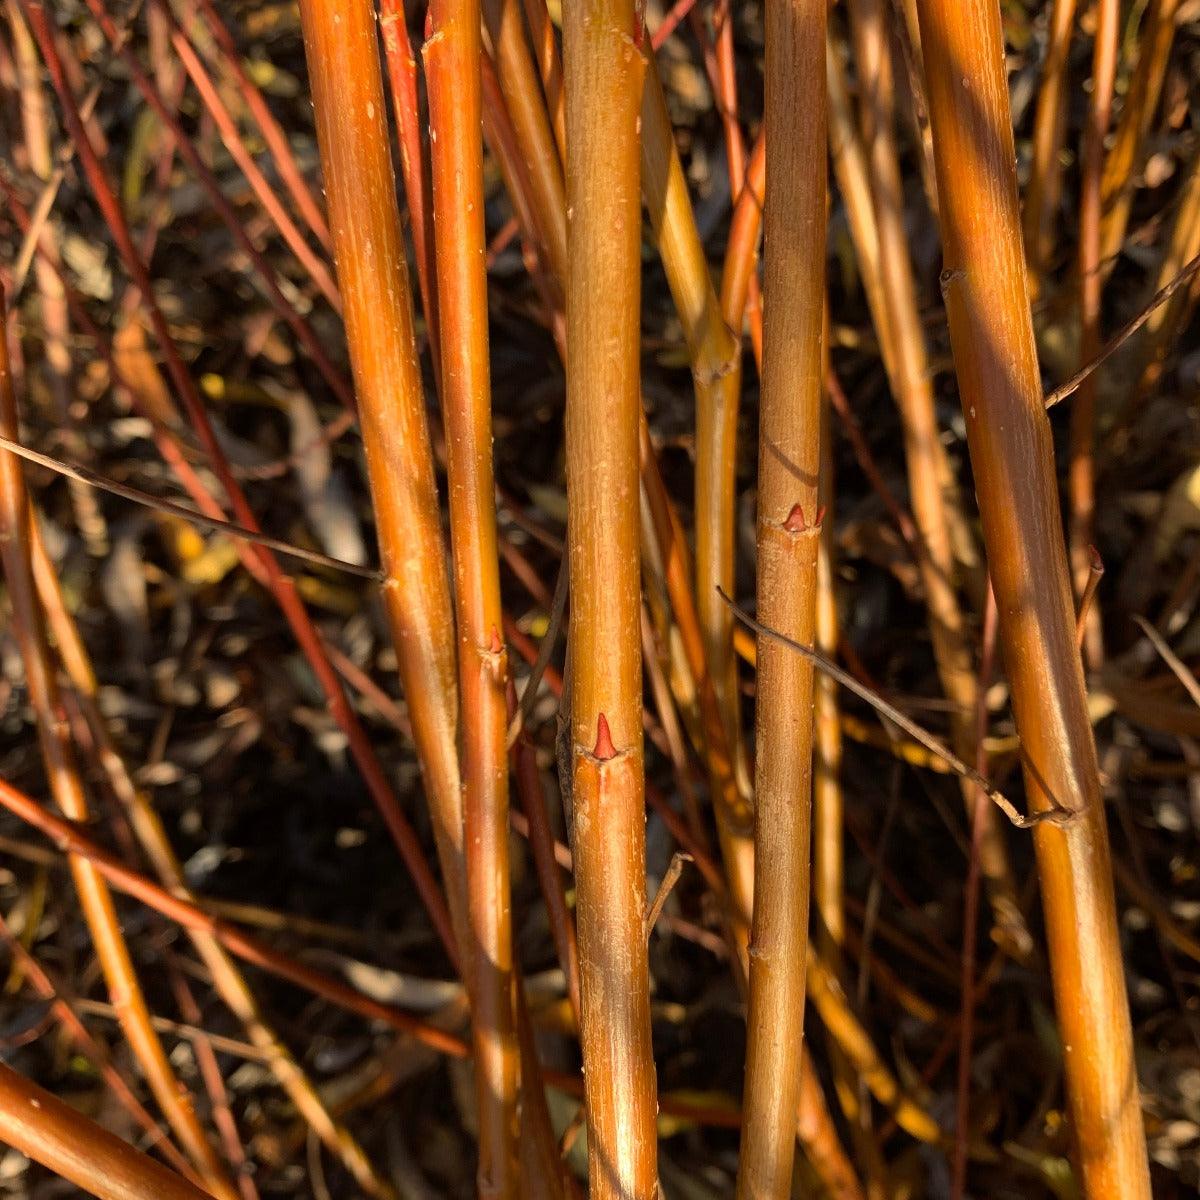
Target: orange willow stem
(67,788)
(347,89)
(43,1128)
(603,72)
(1009,437)
(789,524)
(1081,478)
(527,110)
(828,831)
(549,67)
(718,53)
(452,67)
(716,368)
(741,253)
(1045,177)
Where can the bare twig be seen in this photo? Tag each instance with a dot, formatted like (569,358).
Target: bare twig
(669,880)
(1184,277)
(1056,815)
(94,479)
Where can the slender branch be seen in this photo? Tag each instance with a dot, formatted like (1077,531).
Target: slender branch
(1185,276)
(159,504)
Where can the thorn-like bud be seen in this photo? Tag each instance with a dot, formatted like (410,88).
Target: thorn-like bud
(795,522)
(497,645)
(604,749)
(1095,561)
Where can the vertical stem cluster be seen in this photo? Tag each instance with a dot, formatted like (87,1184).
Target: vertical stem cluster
(788,534)
(261,564)
(347,90)
(991,331)
(603,73)
(452,65)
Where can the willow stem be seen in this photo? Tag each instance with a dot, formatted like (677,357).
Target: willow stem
(789,525)
(42,1127)
(603,72)
(347,91)
(991,331)
(452,66)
